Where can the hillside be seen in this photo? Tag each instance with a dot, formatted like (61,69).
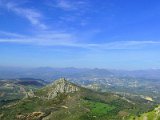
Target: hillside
(63,100)
(151,115)
(137,82)
(14,89)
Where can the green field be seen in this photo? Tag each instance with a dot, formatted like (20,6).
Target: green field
(98,108)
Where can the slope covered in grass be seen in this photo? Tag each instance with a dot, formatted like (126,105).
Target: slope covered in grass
(63,100)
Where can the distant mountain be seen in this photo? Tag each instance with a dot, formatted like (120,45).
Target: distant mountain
(48,73)
(137,82)
(63,100)
(147,74)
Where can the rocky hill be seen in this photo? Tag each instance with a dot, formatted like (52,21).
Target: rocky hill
(60,86)
(63,100)
(14,89)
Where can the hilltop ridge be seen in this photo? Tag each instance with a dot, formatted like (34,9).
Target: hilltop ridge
(63,100)
(58,87)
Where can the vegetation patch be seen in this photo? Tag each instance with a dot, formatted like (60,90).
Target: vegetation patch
(98,108)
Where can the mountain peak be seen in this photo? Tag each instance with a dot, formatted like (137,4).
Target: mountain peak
(60,86)
(59,81)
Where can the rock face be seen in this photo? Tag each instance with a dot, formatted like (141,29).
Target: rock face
(54,89)
(61,86)
(29,94)
(31,116)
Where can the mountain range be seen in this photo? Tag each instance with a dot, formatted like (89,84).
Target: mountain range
(49,73)
(64,100)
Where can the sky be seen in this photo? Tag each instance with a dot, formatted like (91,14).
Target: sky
(113,34)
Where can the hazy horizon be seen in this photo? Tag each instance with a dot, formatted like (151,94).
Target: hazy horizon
(72,67)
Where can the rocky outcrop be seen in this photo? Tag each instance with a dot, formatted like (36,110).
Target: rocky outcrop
(29,94)
(61,86)
(54,89)
(31,116)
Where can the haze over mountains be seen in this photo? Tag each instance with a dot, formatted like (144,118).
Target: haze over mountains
(91,36)
(49,73)
(144,83)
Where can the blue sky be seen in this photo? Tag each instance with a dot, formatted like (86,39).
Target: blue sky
(116,34)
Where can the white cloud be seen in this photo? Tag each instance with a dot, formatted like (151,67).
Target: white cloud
(70,4)
(33,16)
(48,38)
(53,38)
(9,34)
(64,4)
(126,44)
